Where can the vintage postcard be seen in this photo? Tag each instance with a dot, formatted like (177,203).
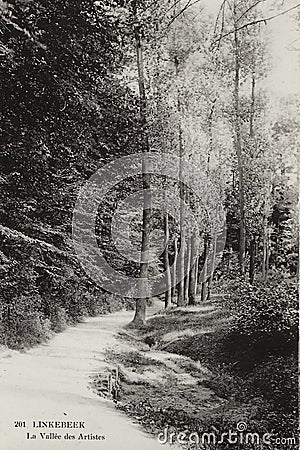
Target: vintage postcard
(149,224)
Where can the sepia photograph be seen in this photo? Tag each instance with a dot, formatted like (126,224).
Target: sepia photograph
(149,224)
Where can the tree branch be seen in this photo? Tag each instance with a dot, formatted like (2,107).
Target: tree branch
(187,6)
(173,6)
(179,14)
(255,22)
(250,9)
(218,16)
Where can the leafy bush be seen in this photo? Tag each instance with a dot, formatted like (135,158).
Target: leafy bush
(265,323)
(59,319)
(277,379)
(43,289)
(261,344)
(22,325)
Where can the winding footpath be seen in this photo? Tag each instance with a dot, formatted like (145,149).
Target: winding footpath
(51,383)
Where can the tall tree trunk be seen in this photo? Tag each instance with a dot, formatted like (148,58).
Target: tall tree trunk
(196,277)
(174,271)
(193,272)
(140,311)
(251,133)
(160,105)
(238,148)
(168,293)
(199,283)
(265,261)
(181,290)
(188,273)
(203,286)
(206,286)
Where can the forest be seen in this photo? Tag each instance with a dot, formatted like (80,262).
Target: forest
(86,83)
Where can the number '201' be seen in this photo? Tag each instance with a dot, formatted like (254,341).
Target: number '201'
(19,424)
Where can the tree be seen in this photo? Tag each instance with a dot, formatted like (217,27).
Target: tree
(140,312)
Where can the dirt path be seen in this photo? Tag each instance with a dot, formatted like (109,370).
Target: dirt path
(51,382)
